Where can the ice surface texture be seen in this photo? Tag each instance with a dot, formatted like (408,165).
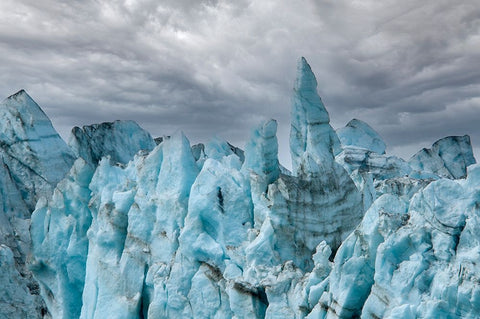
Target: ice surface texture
(120,140)
(33,159)
(210,231)
(36,155)
(359,134)
(177,235)
(448,157)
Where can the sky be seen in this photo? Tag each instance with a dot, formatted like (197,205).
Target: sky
(411,69)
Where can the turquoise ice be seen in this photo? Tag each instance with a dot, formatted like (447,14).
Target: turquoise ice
(140,230)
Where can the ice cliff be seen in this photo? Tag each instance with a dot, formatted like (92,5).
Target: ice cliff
(143,228)
(33,151)
(33,159)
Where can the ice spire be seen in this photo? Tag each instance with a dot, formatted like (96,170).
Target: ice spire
(261,153)
(313,142)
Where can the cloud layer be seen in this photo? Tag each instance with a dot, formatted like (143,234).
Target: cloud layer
(211,67)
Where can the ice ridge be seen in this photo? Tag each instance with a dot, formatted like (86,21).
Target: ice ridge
(143,228)
(210,231)
(120,140)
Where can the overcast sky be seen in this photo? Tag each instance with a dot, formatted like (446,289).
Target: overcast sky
(411,69)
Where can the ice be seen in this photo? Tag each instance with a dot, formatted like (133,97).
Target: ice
(449,157)
(359,134)
(262,153)
(328,197)
(380,166)
(14,216)
(374,172)
(36,155)
(60,246)
(211,231)
(220,212)
(364,157)
(313,142)
(33,158)
(422,264)
(407,258)
(354,265)
(15,299)
(120,140)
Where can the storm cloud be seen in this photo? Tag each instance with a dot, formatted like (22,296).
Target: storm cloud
(408,68)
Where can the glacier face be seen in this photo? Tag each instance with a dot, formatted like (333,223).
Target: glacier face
(36,155)
(33,160)
(171,234)
(143,228)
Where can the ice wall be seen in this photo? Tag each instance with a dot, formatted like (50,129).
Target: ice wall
(35,154)
(210,231)
(33,159)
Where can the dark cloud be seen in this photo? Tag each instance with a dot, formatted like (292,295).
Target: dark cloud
(210,67)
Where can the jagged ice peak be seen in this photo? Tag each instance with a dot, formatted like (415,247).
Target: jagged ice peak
(135,227)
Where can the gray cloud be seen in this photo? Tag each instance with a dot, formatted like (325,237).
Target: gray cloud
(209,67)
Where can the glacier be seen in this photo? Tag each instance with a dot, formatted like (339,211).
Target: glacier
(117,224)
(120,140)
(34,159)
